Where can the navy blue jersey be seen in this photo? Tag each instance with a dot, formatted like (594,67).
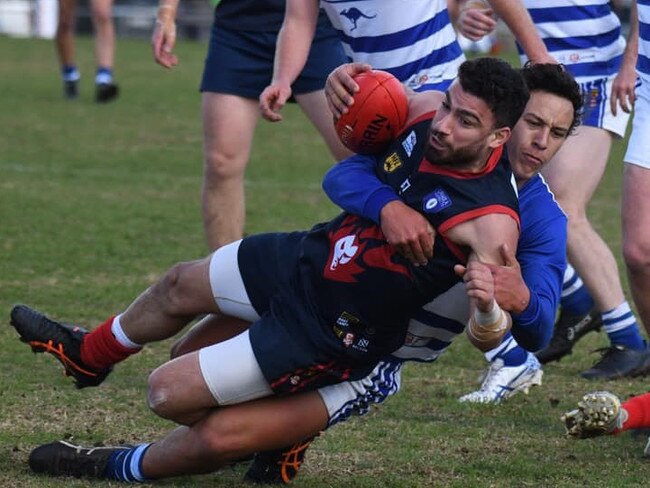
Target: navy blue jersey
(362,288)
(258,15)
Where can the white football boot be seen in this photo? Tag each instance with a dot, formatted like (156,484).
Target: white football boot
(501,382)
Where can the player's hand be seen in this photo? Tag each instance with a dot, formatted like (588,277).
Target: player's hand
(272,99)
(623,90)
(340,87)
(474,23)
(408,232)
(510,289)
(479,284)
(163,38)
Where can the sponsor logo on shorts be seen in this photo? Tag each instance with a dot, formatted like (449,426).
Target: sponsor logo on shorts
(409,143)
(362,345)
(436,201)
(392,162)
(346,319)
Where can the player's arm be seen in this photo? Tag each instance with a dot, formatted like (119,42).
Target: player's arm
(475,23)
(163,38)
(518,20)
(472,18)
(625,82)
(291,53)
(485,236)
(353,185)
(531,295)
(542,260)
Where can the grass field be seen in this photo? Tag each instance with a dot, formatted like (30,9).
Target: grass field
(97,201)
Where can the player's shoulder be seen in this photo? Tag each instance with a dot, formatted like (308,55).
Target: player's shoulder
(423,105)
(536,198)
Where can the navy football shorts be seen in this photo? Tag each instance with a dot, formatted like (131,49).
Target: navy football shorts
(241,62)
(293,347)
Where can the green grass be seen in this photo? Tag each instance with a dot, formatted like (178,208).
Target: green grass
(97,201)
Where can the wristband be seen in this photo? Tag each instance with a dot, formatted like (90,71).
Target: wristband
(488,318)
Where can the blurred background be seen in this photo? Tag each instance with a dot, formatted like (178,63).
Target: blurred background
(133,18)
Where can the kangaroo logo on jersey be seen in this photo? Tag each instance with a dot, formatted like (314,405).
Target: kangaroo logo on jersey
(409,143)
(354,15)
(392,162)
(436,201)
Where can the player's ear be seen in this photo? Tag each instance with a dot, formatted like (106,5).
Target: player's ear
(499,137)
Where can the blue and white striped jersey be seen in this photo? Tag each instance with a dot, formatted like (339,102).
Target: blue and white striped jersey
(412,39)
(643,63)
(584,35)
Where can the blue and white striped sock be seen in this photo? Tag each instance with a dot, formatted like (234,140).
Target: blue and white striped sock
(104,75)
(126,464)
(575,298)
(70,73)
(622,328)
(509,351)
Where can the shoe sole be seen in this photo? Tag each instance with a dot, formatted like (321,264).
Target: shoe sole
(71,368)
(596,415)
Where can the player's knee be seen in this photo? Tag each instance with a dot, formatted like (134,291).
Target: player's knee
(160,395)
(102,16)
(577,217)
(222,165)
(221,440)
(637,256)
(170,292)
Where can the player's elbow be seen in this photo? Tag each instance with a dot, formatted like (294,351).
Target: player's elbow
(535,336)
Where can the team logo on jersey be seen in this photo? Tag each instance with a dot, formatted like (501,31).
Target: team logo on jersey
(409,143)
(344,250)
(357,246)
(392,162)
(354,15)
(348,339)
(436,201)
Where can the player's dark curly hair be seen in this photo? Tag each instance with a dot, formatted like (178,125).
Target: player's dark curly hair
(498,84)
(555,79)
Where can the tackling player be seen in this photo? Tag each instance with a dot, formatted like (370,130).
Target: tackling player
(326,304)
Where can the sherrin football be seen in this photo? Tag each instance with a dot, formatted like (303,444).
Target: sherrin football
(378,114)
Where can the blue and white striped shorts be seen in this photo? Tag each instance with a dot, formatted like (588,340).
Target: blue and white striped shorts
(355,397)
(596,109)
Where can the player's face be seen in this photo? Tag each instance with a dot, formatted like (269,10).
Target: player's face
(461,133)
(538,134)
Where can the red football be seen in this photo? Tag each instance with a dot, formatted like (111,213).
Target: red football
(378,114)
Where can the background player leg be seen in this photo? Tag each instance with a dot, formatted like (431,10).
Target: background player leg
(64,42)
(228,126)
(102,17)
(315,107)
(573,175)
(636,236)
